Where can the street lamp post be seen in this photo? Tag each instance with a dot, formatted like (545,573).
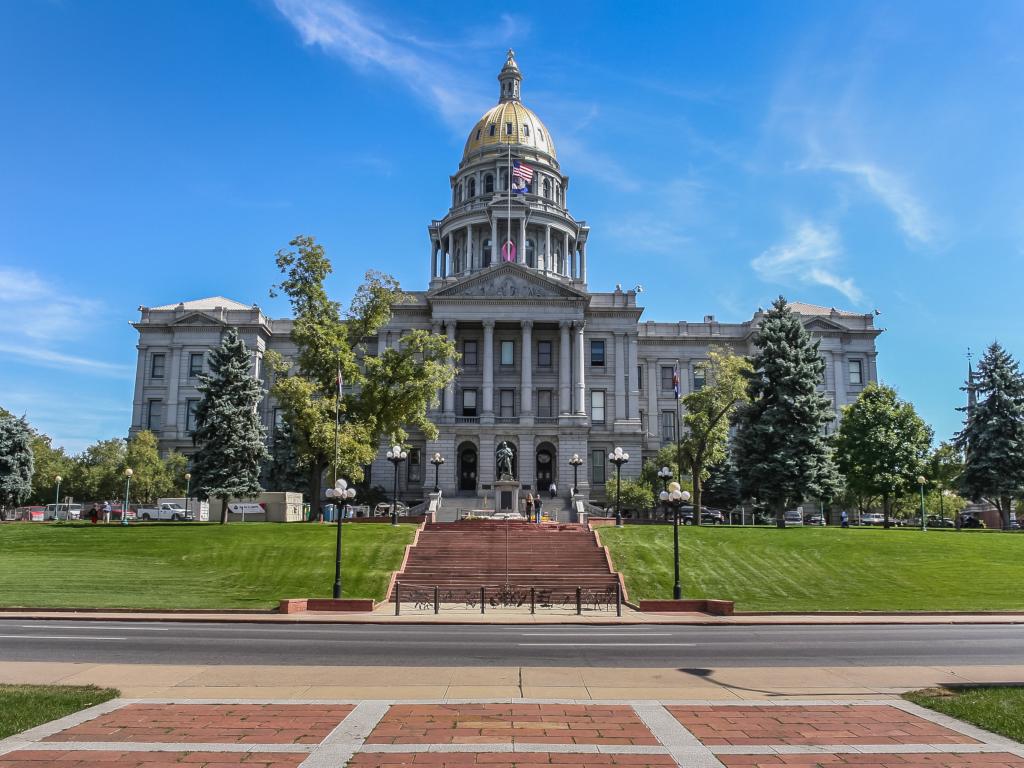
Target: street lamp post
(342,493)
(396,456)
(127,487)
(437,460)
(575,463)
(674,497)
(56,500)
(188,490)
(664,474)
(920,484)
(618,457)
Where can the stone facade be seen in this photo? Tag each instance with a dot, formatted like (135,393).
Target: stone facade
(547,364)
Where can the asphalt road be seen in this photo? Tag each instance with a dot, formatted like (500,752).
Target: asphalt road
(691,647)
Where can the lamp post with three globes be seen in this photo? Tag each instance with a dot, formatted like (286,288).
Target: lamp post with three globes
(674,497)
(342,494)
(396,455)
(618,457)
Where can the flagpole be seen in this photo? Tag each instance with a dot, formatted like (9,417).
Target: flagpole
(509,190)
(337,425)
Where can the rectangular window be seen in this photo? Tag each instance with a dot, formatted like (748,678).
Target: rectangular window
(666,378)
(195,364)
(597,406)
(856,373)
(544,409)
(156,370)
(469,354)
(190,415)
(490,131)
(508,353)
(469,402)
(414,465)
(278,419)
(640,377)
(508,129)
(668,426)
(699,376)
(543,354)
(597,352)
(597,467)
(155,415)
(507,402)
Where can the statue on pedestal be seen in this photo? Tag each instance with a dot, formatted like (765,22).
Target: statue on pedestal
(503,461)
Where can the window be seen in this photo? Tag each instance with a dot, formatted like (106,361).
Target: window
(597,352)
(478,131)
(531,254)
(469,402)
(155,415)
(472,187)
(597,466)
(699,377)
(508,129)
(414,465)
(640,377)
(278,419)
(666,378)
(487,252)
(461,198)
(156,370)
(543,354)
(668,426)
(190,416)
(544,409)
(488,184)
(469,354)
(195,364)
(526,130)
(547,188)
(507,402)
(491,130)
(856,373)
(508,353)
(540,134)
(597,406)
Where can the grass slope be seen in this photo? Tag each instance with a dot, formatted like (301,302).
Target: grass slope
(26,706)
(176,565)
(811,569)
(997,709)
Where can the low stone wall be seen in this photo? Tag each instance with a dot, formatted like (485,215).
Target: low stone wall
(301,605)
(713,607)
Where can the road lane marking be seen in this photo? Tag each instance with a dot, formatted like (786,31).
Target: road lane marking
(59,637)
(596,634)
(606,645)
(100,628)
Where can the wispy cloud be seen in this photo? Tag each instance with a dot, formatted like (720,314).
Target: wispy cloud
(807,257)
(663,227)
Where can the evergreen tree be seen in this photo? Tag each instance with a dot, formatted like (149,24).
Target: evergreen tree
(16,460)
(780,452)
(722,488)
(882,446)
(993,435)
(284,471)
(229,436)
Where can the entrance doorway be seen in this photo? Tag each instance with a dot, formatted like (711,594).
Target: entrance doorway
(545,467)
(467,467)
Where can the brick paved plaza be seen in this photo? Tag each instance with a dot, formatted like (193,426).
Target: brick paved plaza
(510,734)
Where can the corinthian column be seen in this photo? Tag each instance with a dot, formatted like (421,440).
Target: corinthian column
(564,385)
(449,390)
(488,399)
(581,361)
(526,361)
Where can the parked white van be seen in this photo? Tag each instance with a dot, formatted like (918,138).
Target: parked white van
(63,511)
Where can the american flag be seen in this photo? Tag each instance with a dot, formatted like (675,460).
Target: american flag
(675,381)
(522,171)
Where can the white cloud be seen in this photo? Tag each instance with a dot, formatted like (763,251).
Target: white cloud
(808,257)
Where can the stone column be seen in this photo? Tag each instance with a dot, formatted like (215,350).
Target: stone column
(632,342)
(872,372)
(653,384)
(521,256)
(842,376)
(564,385)
(488,393)
(581,379)
(549,264)
(566,259)
(583,262)
(433,260)
(170,425)
(449,390)
(468,250)
(451,251)
(526,363)
(140,385)
(620,376)
(495,251)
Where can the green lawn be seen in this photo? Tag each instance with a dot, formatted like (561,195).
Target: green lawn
(26,706)
(181,565)
(812,569)
(996,709)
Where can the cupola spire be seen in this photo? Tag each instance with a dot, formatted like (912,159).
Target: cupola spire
(510,78)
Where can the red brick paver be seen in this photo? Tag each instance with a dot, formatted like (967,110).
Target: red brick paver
(905,760)
(812,725)
(510,723)
(505,760)
(38,758)
(211,724)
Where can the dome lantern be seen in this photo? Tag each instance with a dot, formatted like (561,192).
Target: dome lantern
(510,78)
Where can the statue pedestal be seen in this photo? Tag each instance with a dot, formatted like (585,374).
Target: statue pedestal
(506,496)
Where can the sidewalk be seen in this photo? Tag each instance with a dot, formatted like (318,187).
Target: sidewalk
(499,683)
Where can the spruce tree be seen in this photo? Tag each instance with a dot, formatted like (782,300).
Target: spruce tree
(229,436)
(781,454)
(16,460)
(993,435)
(284,471)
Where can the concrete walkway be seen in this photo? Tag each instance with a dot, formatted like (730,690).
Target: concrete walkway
(499,683)
(698,733)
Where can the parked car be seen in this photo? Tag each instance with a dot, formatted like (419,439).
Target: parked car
(933,521)
(708,516)
(872,518)
(970,521)
(63,511)
(815,518)
(384,508)
(166,511)
(31,514)
(115,513)
(793,517)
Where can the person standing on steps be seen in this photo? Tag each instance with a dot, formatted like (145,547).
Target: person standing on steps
(552,490)
(540,504)
(529,507)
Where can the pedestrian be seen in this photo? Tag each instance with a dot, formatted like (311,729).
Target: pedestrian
(94,513)
(106,512)
(844,519)
(529,506)
(540,504)
(553,490)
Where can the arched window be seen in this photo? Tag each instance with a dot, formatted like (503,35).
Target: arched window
(547,188)
(461,198)
(504,181)
(557,260)
(487,253)
(531,255)
(478,130)
(491,130)
(489,184)
(457,265)
(472,187)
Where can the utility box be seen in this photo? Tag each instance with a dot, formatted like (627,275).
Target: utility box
(271,506)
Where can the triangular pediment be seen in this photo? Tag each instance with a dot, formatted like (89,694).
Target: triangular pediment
(197,318)
(821,324)
(508,281)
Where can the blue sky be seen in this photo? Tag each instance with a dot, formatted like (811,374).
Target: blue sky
(859,155)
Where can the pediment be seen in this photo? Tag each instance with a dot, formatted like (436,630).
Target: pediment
(508,281)
(197,318)
(823,325)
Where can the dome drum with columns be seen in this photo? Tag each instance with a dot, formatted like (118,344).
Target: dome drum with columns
(546,365)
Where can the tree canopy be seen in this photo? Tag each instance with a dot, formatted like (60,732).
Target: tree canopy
(16,460)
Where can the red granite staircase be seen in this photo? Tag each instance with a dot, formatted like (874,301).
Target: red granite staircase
(461,557)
